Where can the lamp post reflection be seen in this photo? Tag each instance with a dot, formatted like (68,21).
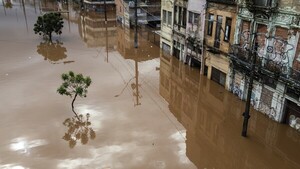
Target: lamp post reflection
(136,85)
(24,11)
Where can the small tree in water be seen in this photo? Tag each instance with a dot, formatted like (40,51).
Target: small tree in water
(74,85)
(47,24)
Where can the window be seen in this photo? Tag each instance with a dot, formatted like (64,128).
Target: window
(184,17)
(227,29)
(190,18)
(193,18)
(196,18)
(210,24)
(292,93)
(263,3)
(269,81)
(218,31)
(164,16)
(175,15)
(179,16)
(169,18)
(244,34)
(166,48)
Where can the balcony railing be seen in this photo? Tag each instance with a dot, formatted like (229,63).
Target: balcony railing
(262,5)
(265,66)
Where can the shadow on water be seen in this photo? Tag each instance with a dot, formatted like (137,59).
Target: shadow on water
(79,129)
(212,118)
(53,52)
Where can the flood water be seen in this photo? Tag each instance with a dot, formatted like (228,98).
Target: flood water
(145,109)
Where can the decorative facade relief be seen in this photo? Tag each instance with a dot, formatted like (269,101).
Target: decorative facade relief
(295,21)
(262,17)
(245,13)
(283,19)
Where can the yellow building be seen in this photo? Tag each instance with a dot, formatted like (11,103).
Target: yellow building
(220,17)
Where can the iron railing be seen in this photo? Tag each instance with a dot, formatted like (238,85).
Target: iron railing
(265,65)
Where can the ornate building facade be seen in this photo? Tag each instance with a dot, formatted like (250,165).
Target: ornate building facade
(266,42)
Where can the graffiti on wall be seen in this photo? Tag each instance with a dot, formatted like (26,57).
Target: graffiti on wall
(294,122)
(275,53)
(237,90)
(238,85)
(267,110)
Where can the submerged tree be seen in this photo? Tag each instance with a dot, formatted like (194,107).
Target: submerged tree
(74,85)
(47,24)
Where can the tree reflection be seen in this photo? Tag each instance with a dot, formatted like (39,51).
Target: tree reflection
(52,51)
(8,4)
(79,129)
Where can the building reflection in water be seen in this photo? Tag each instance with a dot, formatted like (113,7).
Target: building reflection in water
(79,129)
(95,32)
(145,51)
(212,118)
(53,52)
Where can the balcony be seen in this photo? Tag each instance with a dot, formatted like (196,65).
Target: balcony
(262,5)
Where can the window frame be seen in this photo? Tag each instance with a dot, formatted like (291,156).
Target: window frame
(227,38)
(210,24)
(164,17)
(169,18)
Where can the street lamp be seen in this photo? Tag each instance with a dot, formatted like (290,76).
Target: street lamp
(246,114)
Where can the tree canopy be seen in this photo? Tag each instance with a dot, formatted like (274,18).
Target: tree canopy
(47,24)
(74,85)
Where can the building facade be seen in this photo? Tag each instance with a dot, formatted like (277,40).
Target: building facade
(223,36)
(179,29)
(166,40)
(195,33)
(267,34)
(95,32)
(220,18)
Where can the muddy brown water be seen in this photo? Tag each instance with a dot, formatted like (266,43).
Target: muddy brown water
(146,109)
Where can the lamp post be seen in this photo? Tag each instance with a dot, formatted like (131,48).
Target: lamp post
(246,114)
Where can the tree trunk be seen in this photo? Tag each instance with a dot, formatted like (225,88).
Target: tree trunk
(73,106)
(50,37)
